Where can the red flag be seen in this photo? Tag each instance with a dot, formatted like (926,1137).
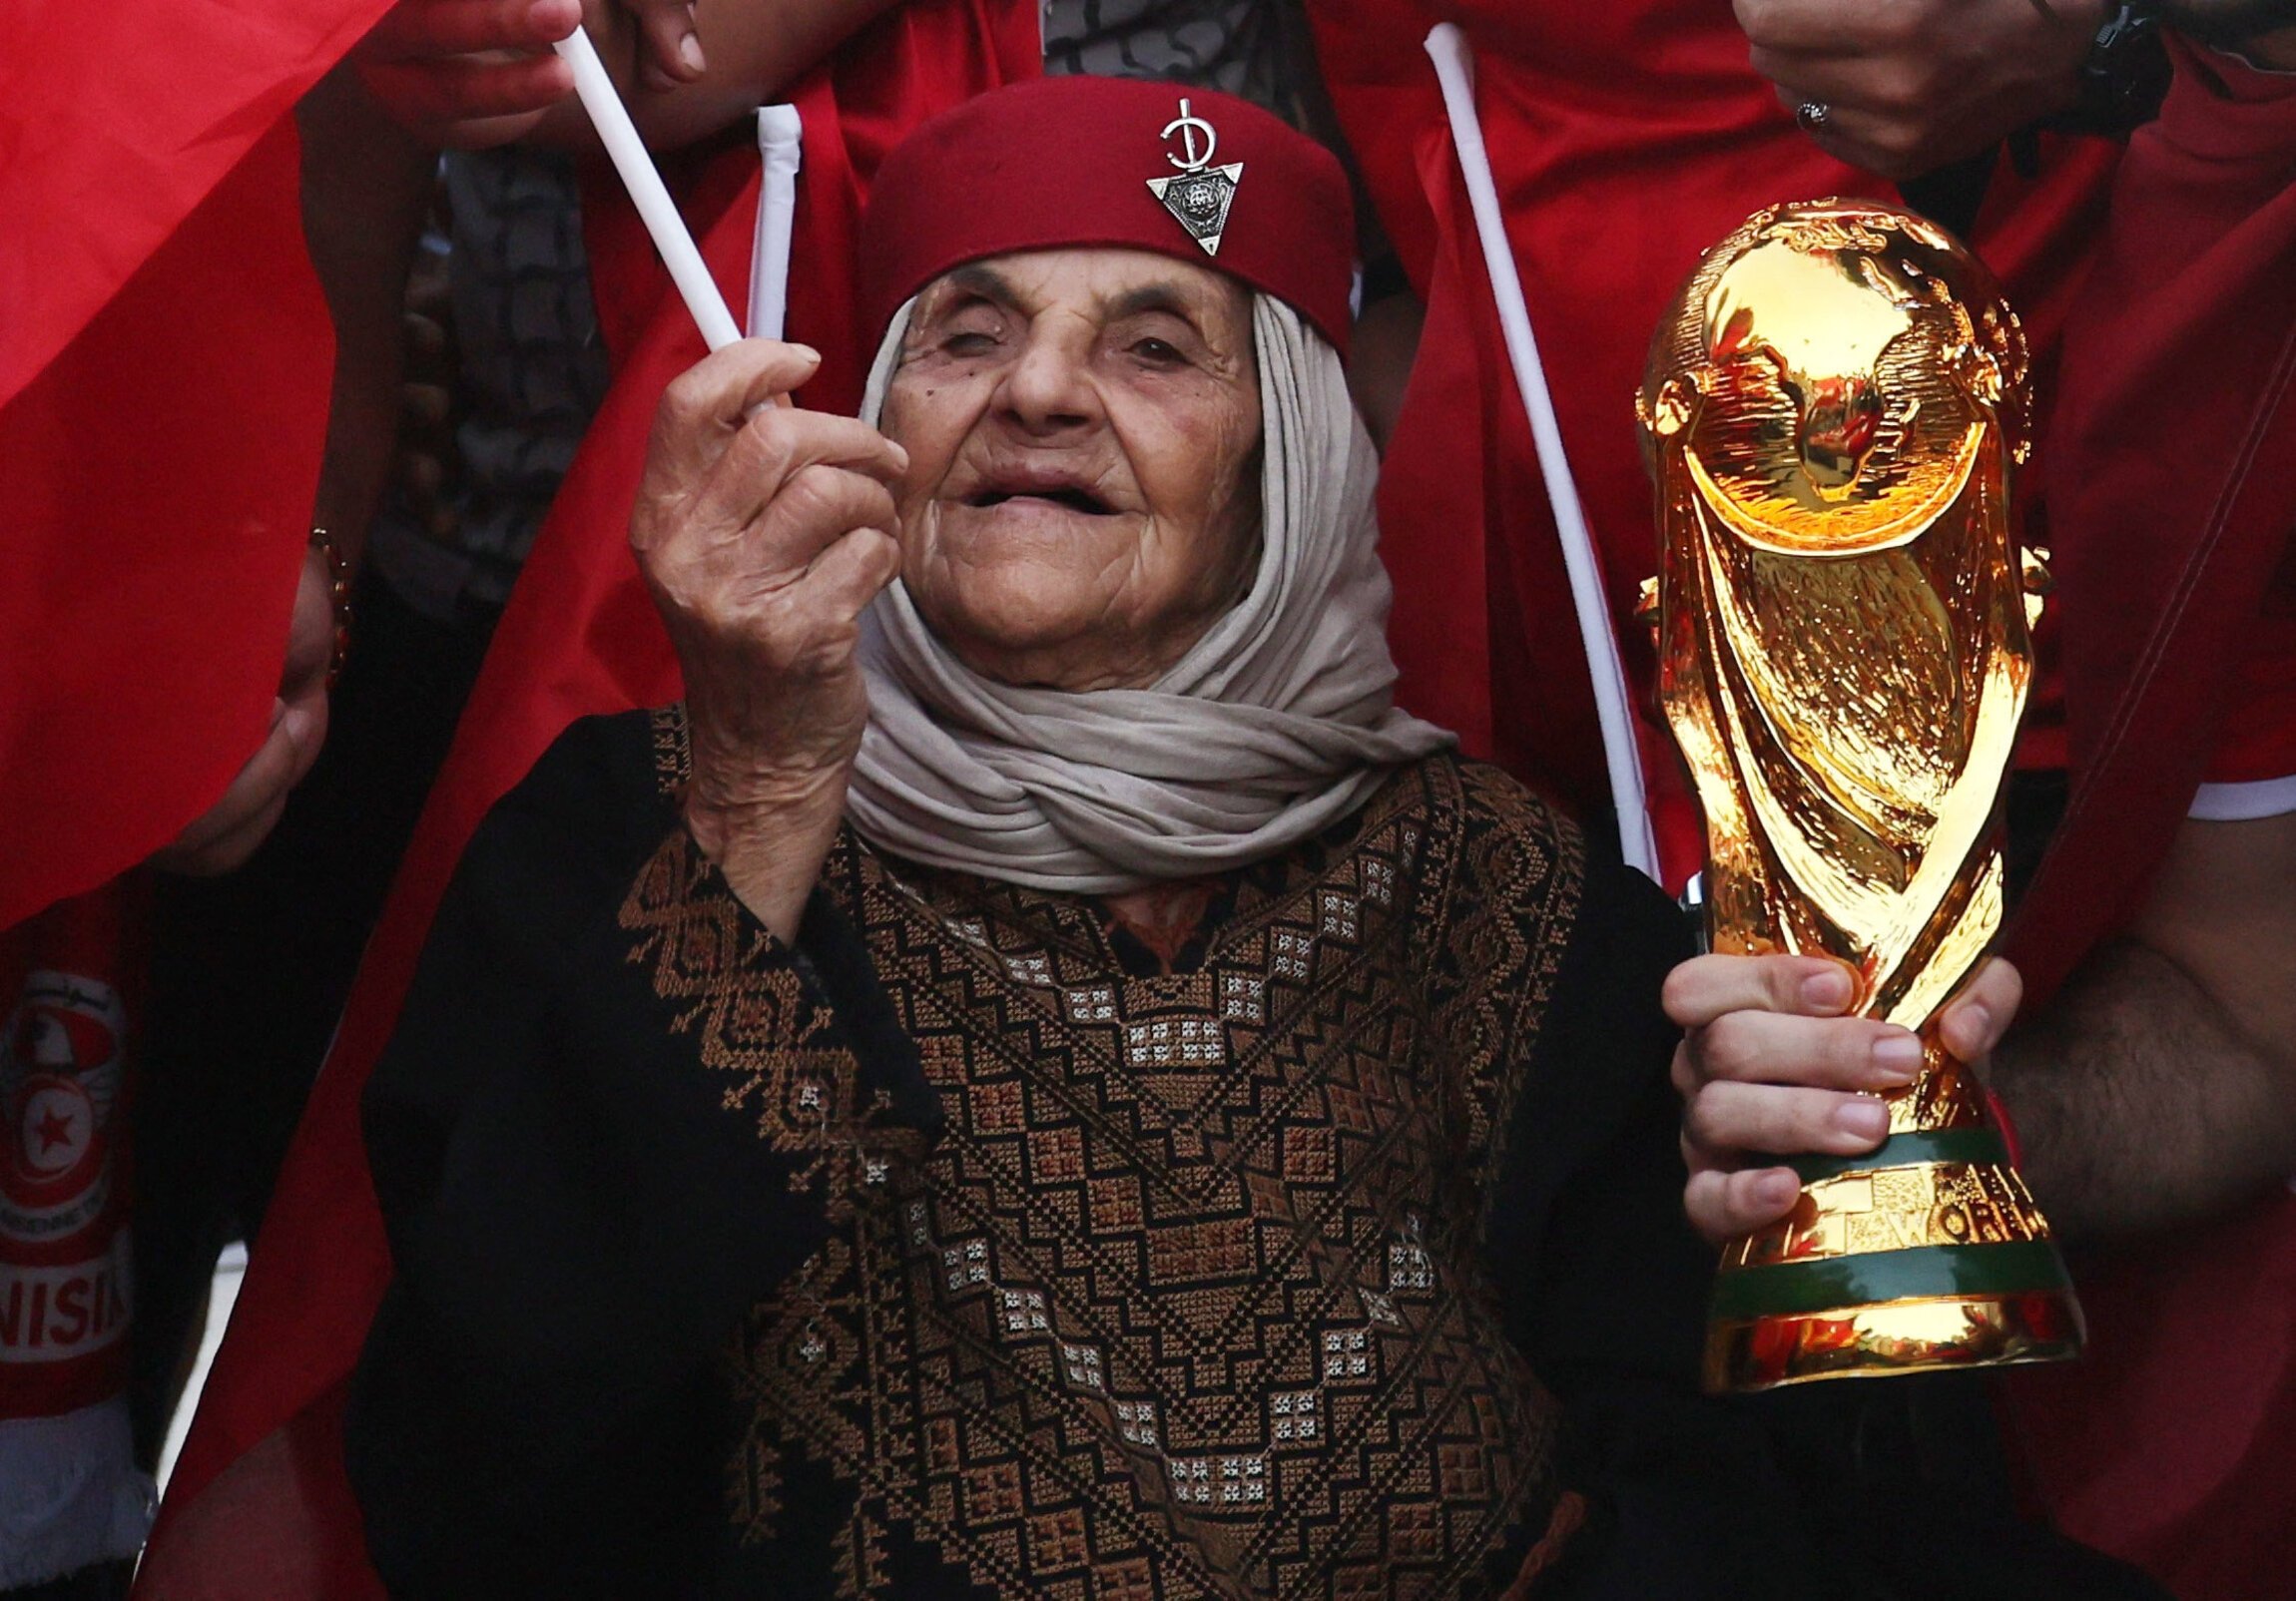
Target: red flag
(261,1472)
(116,123)
(165,359)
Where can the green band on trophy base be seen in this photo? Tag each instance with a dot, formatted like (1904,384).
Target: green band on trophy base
(1976,1145)
(1926,1270)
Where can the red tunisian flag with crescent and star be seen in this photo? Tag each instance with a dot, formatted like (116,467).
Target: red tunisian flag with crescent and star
(259,1507)
(165,364)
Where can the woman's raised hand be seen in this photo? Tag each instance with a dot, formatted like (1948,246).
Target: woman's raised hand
(1769,1067)
(763,532)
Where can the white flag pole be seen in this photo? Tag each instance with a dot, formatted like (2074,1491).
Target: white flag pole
(1613,704)
(655,208)
(780,138)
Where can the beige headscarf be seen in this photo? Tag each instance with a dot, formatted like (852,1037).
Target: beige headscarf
(1278,723)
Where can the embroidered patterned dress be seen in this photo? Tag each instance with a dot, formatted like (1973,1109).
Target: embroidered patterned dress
(978,1247)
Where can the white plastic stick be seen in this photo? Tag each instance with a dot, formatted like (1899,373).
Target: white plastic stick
(1613,704)
(780,140)
(655,206)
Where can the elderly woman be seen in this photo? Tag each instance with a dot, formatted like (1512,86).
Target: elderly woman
(1039,1080)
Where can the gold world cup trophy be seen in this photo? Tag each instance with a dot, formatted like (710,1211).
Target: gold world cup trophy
(1833,409)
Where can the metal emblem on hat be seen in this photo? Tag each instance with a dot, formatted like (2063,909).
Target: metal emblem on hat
(1199,196)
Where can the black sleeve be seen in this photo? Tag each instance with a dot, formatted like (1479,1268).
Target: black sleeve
(598,1138)
(1604,1285)
(1599,1274)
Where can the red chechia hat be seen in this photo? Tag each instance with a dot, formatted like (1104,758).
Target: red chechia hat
(1078,160)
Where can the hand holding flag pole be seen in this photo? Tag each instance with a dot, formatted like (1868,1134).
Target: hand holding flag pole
(655,208)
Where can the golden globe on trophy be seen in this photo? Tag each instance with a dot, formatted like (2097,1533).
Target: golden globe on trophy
(1834,407)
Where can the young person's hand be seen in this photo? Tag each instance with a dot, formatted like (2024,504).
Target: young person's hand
(1769,1067)
(467,73)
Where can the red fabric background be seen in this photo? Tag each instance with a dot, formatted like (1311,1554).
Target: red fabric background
(116,123)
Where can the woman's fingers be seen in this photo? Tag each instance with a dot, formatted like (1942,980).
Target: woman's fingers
(701,414)
(791,595)
(816,506)
(846,576)
(725,386)
(764,531)
(1724,1119)
(725,573)
(1722,1205)
(777,457)
(1707,987)
(783,595)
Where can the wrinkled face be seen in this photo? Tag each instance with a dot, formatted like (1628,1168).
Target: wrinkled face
(1083,432)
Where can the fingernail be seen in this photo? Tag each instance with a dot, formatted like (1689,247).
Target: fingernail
(1777,1189)
(1862,1119)
(1830,988)
(806,352)
(1897,1057)
(1976,1020)
(690,52)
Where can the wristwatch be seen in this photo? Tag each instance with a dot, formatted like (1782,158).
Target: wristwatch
(2126,77)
